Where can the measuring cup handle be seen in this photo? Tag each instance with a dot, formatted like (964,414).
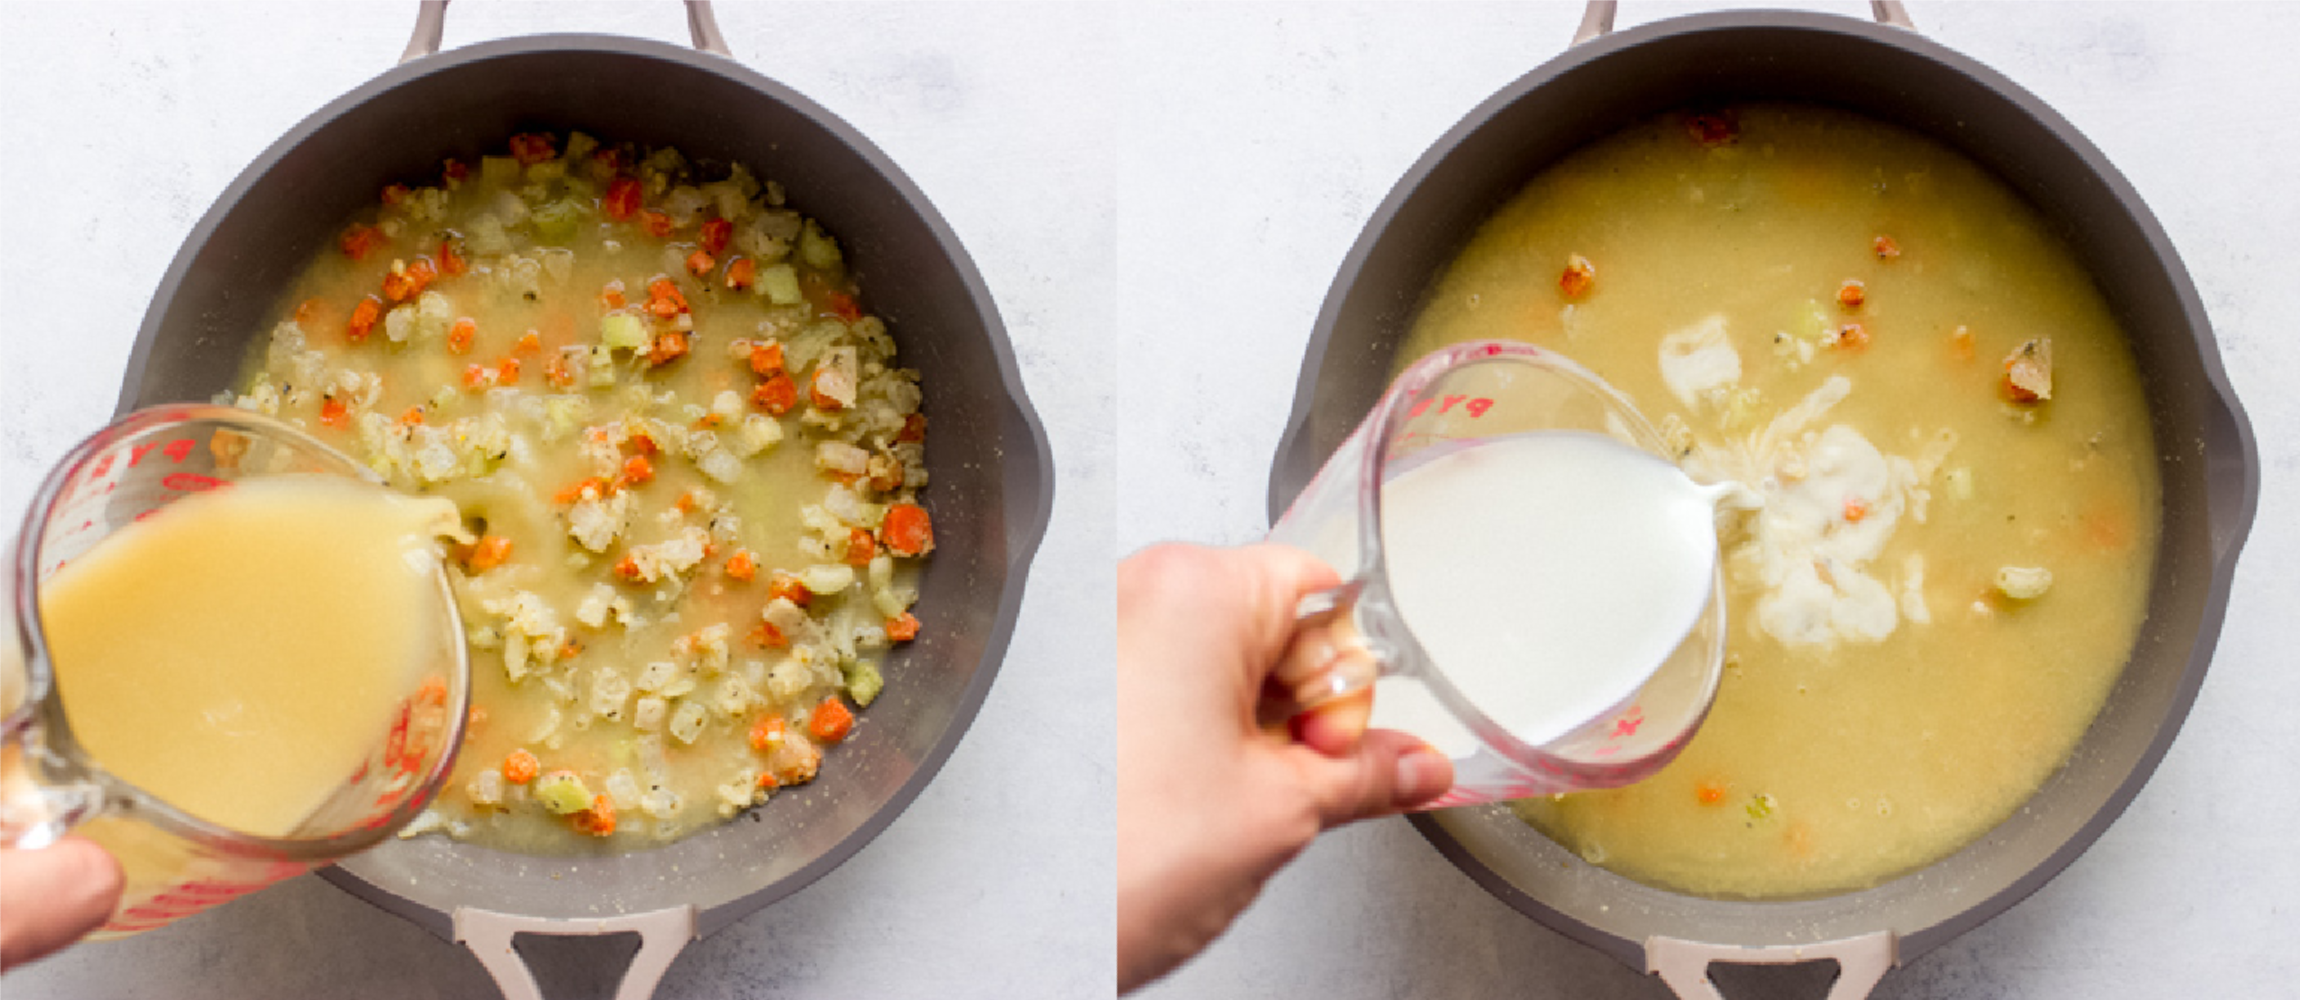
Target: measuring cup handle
(1327,658)
(41,796)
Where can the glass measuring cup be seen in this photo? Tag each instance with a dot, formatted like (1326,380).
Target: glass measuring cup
(1353,637)
(176,864)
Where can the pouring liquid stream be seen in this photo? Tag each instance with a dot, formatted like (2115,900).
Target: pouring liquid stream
(1547,574)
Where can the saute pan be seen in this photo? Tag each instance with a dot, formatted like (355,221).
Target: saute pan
(992,476)
(2207,458)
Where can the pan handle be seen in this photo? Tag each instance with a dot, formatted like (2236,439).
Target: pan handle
(489,935)
(1684,965)
(431,23)
(1598,18)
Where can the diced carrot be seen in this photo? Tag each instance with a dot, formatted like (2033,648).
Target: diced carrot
(831,721)
(776,395)
(628,568)
(742,565)
(413,417)
(669,346)
(769,636)
(913,428)
(1578,277)
(575,490)
(533,147)
(1712,128)
(333,413)
(700,263)
(821,399)
(1961,344)
(393,194)
(490,551)
(844,307)
(559,372)
(358,240)
(666,289)
(363,317)
(638,470)
(903,627)
(685,504)
(767,780)
(530,342)
(475,717)
(1853,336)
(1852,293)
(767,732)
(1885,248)
(1855,509)
(476,376)
(611,297)
(788,587)
(641,444)
(887,476)
(656,223)
(742,273)
(908,530)
(860,547)
(1709,793)
(454,171)
(767,359)
(451,258)
(622,198)
(570,649)
(507,371)
(398,287)
(716,232)
(460,335)
(599,820)
(520,767)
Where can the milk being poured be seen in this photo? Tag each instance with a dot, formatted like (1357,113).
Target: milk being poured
(1546,574)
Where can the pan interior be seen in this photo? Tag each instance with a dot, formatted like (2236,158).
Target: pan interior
(2204,461)
(989,489)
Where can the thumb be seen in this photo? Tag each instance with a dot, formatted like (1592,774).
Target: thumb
(51,896)
(1388,772)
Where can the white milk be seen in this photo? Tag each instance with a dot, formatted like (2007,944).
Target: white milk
(1547,574)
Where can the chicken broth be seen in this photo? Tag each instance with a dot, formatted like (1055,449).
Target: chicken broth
(1950,433)
(688,458)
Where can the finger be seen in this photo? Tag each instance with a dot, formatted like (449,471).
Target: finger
(52,896)
(1335,727)
(1388,773)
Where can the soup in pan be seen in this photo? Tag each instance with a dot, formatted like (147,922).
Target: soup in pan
(1961,499)
(688,458)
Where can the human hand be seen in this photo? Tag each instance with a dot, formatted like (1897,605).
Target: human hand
(1209,804)
(52,896)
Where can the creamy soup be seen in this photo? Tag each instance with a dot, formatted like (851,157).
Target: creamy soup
(1961,497)
(681,442)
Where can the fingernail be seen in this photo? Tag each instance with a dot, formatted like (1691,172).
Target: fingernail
(1422,775)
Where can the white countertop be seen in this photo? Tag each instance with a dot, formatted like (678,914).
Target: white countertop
(1181,182)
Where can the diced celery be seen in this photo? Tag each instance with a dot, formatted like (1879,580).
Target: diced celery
(498,171)
(780,284)
(817,248)
(557,220)
(579,145)
(623,330)
(864,681)
(601,372)
(562,792)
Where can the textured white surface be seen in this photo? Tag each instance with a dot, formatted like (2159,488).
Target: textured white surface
(128,121)
(1248,169)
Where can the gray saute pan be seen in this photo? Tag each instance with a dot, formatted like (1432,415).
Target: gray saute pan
(2207,458)
(992,474)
